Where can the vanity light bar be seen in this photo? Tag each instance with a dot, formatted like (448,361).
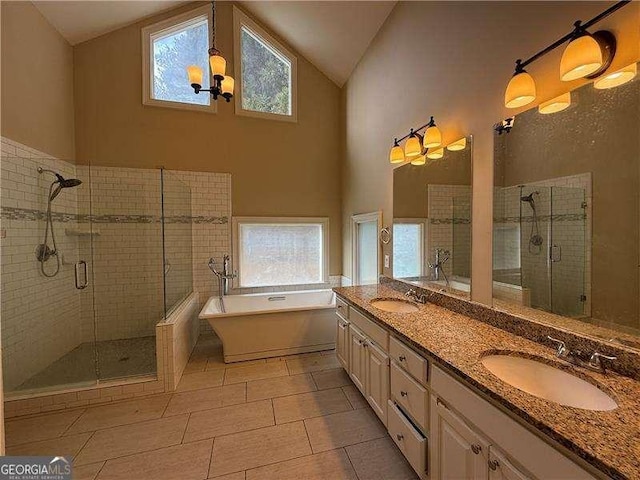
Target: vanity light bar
(586,55)
(418,148)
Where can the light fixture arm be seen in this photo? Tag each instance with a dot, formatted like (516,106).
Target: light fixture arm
(579,29)
(416,131)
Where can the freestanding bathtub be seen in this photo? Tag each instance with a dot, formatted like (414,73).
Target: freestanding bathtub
(272,324)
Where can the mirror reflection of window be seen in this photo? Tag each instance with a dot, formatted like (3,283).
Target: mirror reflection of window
(408,249)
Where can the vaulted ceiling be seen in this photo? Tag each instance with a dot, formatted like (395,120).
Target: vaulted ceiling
(333,35)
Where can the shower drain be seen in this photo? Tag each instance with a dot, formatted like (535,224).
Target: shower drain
(123,359)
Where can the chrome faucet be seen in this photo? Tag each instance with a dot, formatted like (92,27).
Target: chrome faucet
(224,276)
(576,357)
(442,256)
(416,297)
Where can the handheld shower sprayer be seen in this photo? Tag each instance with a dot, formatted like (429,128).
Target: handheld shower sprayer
(43,251)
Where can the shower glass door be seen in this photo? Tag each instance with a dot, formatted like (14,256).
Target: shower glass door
(567,252)
(127,273)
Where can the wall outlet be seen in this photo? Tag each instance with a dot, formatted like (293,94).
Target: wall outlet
(386,261)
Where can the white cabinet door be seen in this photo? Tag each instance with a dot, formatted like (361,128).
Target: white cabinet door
(500,468)
(342,341)
(357,358)
(457,452)
(377,380)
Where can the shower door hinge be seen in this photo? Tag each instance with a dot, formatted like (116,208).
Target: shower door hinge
(583,205)
(583,298)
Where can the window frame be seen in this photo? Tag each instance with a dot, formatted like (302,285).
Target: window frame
(166,26)
(355,257)
(241,19)
(237,221)
(423,241)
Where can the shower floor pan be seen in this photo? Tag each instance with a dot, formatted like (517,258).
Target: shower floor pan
(116,359)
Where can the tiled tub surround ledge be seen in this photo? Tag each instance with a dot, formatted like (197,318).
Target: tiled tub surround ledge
(456,342)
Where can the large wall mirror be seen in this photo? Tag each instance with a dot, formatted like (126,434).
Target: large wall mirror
(432,221)
(566,237)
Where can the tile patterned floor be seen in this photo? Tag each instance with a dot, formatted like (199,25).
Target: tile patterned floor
(296,417)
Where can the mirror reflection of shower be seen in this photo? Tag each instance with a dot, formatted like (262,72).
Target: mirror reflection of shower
(44,251)
(535,239)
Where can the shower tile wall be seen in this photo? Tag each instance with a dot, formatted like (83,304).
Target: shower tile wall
(440,230)
(40,316)
(506,236)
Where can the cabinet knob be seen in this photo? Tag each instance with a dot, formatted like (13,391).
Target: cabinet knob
(402,358)
(493,464)
(403,393)
(400,437)
(476,448)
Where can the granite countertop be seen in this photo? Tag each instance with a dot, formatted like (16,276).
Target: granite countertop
(609,440)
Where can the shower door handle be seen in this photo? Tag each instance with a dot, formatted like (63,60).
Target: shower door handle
(555,253)
(83,285)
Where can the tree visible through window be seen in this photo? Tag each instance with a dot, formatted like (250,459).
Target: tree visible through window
(172,53)
(266,76)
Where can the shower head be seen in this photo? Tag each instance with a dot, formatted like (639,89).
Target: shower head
(529,198)
(60,182)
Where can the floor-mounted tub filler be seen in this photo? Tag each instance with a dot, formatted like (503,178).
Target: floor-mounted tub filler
(272,324)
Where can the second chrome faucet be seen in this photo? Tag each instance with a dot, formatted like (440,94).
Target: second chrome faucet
(576,357)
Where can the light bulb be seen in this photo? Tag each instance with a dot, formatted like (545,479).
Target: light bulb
(457,145)
(194,72)
(617,78)
(432,136)
(521,90)
(555,104)
(218,65)
(396,155)
(435,153)
(582,57)
(413,147)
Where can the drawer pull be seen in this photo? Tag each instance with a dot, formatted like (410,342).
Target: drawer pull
(403,393)
(402,358)
(493,464)
(476,448)
(400,437)
(441,403)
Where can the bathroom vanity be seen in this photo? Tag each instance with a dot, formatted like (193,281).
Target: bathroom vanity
(422,374)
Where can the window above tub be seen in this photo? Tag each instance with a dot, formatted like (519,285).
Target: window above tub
(168,47)
(271,252)
(266,72)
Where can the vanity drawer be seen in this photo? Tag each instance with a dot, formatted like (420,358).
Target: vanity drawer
(409,360)
(410,395)
(370,329)
(342,308)
(411,442)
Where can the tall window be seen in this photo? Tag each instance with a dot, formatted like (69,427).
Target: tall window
(280,251)
(168,48)
(266,72)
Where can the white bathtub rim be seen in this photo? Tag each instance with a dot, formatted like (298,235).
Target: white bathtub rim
(218,314)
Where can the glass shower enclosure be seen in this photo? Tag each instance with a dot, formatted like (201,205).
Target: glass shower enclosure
(89,272)
(548,256)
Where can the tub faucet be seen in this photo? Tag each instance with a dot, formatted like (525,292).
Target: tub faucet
(224,276)
(442,256)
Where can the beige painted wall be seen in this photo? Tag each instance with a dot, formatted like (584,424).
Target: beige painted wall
(453,60)
(37,82)
(278,168)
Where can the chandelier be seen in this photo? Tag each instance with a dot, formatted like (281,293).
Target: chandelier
(222,84)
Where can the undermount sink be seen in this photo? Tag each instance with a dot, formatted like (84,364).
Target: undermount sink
(394,306)
(550,383)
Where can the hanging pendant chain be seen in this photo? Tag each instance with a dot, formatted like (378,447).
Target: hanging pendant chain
(213,50)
